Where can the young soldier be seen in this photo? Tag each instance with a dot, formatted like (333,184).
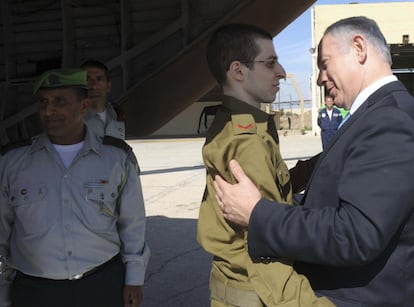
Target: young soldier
(243,60)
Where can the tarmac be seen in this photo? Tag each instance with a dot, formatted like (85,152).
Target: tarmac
(173,181)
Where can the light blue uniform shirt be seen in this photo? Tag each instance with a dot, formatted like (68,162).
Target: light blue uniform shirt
(111,127)
(57,222)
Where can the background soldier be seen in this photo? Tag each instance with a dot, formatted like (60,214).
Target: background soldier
(102,116)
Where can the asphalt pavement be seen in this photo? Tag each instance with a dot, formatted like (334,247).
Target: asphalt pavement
(173,180)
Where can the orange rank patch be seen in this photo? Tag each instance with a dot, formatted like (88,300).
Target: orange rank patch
(243,123)
(245,127)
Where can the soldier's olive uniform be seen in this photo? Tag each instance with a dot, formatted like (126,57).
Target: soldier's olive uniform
(247,134)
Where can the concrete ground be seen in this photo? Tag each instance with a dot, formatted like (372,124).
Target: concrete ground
(173,179)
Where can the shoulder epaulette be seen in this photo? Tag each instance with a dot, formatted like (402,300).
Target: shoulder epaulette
(113,141)
(12,146)
(243,123)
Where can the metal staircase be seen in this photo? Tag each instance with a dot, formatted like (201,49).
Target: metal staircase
(155,51)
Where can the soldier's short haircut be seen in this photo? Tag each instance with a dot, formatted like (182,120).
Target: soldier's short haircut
(233,42)
(96,64)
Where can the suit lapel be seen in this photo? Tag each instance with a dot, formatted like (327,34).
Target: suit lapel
(372,99)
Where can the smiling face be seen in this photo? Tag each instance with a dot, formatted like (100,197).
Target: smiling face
(262,80)
(61,112)
(339,71)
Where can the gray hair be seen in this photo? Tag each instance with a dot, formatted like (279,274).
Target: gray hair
(347,28)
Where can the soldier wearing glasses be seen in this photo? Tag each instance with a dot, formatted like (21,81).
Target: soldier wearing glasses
(243,61)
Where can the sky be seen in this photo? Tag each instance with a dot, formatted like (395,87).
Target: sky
(292,47)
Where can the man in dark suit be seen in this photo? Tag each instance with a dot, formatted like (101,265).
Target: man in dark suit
(353,234)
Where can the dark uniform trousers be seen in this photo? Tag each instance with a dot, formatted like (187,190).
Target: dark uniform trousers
(102,288)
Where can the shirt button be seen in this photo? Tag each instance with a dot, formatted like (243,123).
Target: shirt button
(69,253)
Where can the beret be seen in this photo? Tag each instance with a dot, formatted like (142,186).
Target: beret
(61,78)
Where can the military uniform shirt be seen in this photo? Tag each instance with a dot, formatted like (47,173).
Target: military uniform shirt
(112,127)
(57,222)
(247,134)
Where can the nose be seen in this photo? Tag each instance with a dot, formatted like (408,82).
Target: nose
(321,78)
(280,71)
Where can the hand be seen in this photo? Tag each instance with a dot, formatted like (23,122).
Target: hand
(132,296)
(236,201)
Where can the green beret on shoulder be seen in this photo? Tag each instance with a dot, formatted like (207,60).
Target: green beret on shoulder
(61,78)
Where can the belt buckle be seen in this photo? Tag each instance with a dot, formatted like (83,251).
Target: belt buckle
(76,277)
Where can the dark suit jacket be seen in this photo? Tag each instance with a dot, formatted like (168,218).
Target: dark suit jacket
(353,236)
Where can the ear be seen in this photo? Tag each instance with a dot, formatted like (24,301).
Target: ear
(236,71)
(359,45)
(85,104)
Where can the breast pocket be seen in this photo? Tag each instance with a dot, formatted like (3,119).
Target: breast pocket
(30,207)
(283,180)
(100,212)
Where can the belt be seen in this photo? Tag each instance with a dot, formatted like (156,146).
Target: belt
(74,277)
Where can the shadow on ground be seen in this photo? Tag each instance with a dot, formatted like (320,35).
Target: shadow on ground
(179,268)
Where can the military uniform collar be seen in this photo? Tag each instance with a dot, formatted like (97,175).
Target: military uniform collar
(239,107)
(92,143)
(109,111)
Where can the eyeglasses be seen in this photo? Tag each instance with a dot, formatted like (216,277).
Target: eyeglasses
(271,63)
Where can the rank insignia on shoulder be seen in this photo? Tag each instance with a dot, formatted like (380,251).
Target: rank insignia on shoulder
(110,140)
(243,123)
